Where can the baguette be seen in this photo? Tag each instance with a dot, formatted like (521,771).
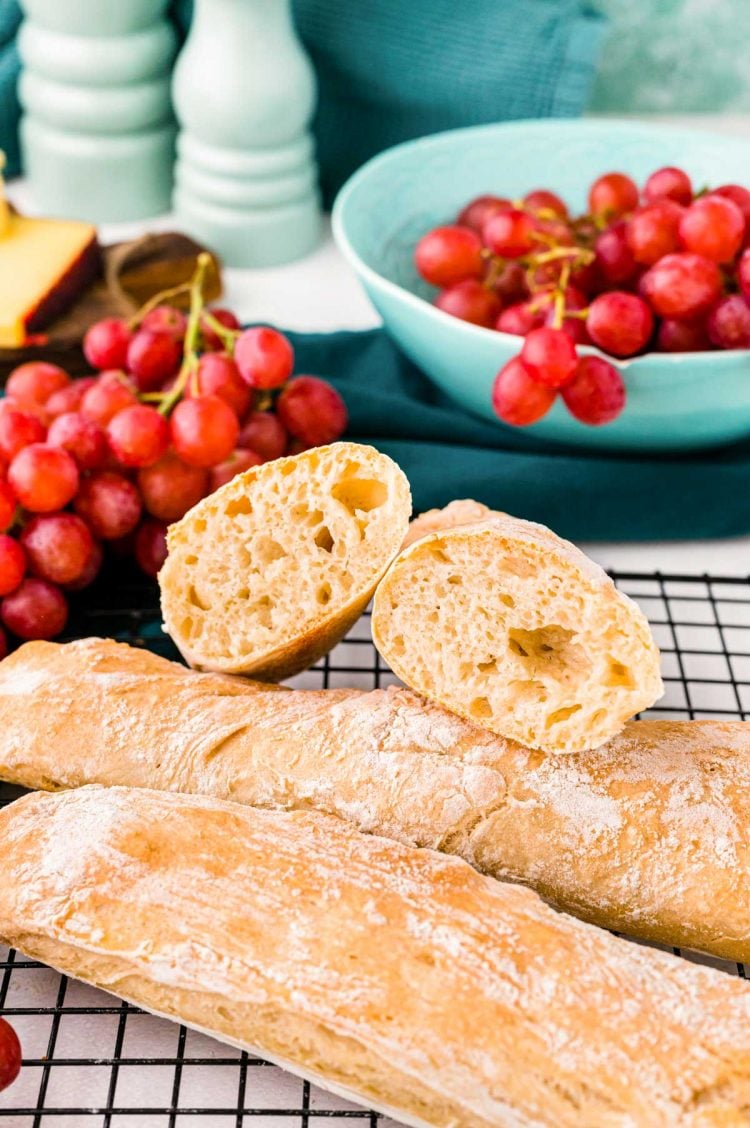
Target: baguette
(649,835)
(397,977)
(511,627)
(269,572)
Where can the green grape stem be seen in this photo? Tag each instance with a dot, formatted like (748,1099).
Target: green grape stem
(189,366)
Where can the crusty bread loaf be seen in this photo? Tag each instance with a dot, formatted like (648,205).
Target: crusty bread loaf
(510,626)
(649,835)
(268,573)
(462,511)
(399,977)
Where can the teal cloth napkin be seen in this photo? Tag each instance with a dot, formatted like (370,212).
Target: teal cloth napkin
(396,69)
(447,454)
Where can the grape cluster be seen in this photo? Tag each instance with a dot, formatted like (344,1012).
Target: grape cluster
(663,269)
(179,406)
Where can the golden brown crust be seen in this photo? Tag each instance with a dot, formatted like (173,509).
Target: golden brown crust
(268,573)
(647,835)
(462,511)
(399,974)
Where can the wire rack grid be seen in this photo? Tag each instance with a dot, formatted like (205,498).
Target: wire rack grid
(91,1061)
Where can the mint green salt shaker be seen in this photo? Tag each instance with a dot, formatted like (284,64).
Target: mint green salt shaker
(244,94)
(97,131)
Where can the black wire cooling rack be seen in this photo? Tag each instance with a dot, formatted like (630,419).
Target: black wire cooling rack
(91,1060)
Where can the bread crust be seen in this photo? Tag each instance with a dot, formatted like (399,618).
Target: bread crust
(202,576)
(511,627)
(400,974)
(648,835)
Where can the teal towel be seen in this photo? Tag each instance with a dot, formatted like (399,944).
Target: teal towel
(396,69)
(447,453)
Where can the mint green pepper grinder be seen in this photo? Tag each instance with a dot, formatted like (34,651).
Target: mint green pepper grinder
(97,131)
(244,93)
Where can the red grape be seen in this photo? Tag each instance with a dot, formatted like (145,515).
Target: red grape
(596,394)
(170,487)
(18,429)
(109,504)
(237,462)
(264,434)
(10,1047)
(90,572)
(743,275)
(12,564)
(312,411)
(204,430)
(510,285)
(264,357)
(106,342)
(218,375)
(520,319)
(542,200)
(448,254)
(109,395)
(654,232)
(35,610)
(7,506)
(729,323)
(138,436)
(614,258)
(681,286)
(84,440)
(668,184)
(150,546)
(713,227)
(549,356)
(479,209)
(153,358)
(575,302)
(43,477)
(620,323)
(613,195)
(35,382)
(516,398)
(509,233)
(3,654)
(739,196)
(211,339)
(682,336)
(165,319)
(69,398)
(470,301)
(59,547)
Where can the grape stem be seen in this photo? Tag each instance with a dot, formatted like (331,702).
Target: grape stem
(156,300)
(189,366)
(227,336)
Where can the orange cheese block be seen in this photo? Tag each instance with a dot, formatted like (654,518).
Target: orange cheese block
(44,265)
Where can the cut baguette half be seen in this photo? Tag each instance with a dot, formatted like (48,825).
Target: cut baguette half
(264,576)
(511,627)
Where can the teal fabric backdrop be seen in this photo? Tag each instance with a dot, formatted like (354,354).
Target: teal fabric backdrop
(396,69)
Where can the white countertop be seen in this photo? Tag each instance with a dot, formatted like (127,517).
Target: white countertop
(321,293)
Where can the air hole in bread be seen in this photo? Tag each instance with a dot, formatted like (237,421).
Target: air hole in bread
(528,690)
(487,667)
(454,580)
(324,594)
(268,550)
(323,539)
(597,717)
(561,715)
(619,674)
(480,707)
(191,560)
(196,600)
(286,468)
(363,494)
(243,593)
(507,600)
(438,554)
(549,650)
(199,526)
(398,644)
(262,611)
(240,506)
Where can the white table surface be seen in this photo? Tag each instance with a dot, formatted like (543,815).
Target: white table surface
(321,293)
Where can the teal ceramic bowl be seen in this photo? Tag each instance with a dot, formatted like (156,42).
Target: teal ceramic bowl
(675,402)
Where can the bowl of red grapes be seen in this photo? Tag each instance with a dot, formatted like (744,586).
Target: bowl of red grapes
(99,466)
(584,282)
